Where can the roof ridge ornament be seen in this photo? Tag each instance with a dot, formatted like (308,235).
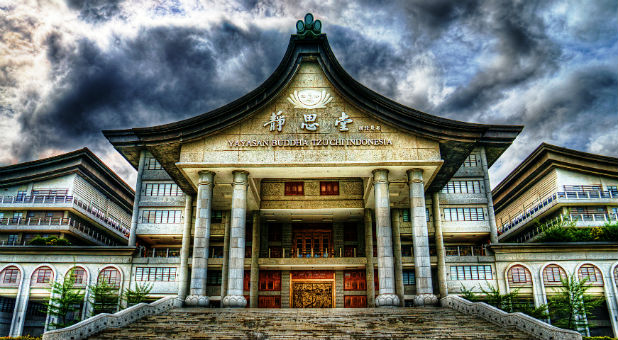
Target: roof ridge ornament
(309,28)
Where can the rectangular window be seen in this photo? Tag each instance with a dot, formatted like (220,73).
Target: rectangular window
(329,188)
(217,216)
(162,189)
(150,163)
(214,278)
(294,188)
(270,280)
(583,188)
(166,274)
(355,301)
(354,280)
(269,301)
(162,216)
(464,214)
(480,272)
(11,275)
(462,187)
(471,161)
(405,214)
(13,239)
(409,277)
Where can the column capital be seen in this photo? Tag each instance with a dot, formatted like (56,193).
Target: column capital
(415,175)
(380,175)
(240,177)
(206,177)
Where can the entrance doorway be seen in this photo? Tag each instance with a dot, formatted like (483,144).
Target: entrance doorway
(312,289)
(312,240)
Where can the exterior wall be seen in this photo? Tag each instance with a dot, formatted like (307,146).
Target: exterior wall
(570,177)
(64,182)
(91,195)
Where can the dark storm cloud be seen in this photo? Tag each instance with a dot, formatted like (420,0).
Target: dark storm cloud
(163,74)
(96,10)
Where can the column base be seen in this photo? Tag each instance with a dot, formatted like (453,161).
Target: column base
(197,301)
(388,300)
(425,300)
(234,301)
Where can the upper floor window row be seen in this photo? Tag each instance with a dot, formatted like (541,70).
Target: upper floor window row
(162,216)
(49,192)
(462,187)
(464,214)
(150,163)
(162,189)
(327,188)
(405,214)
(472,160)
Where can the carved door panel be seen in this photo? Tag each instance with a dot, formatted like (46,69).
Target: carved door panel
(312,295)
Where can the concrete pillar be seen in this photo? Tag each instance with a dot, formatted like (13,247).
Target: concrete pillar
(236,265)
(437,223)
(201,238)
(420,240)
(386,273)
(138,195)
(255,255)
(226,253)
(399,289)
(21,306)
(491,216)
(371,292)
(183,285)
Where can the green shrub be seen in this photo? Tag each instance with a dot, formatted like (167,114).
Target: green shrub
(49,241)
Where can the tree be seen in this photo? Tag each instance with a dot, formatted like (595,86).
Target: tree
(571,307)
(510,302)
(104,297)
(64,302)
(138,295)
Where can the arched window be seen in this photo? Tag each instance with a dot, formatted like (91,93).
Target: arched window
(519,275)
(79,276)
(10,276)
(553,275)
(591,273)
(111,276)
(42,276)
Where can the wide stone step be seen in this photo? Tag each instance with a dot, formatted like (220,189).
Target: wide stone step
(338,323)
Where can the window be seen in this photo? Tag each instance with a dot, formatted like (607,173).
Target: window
(162,189)
(583,188)
(167,274)
(553,274)
(270,280)
(111,276)
(405,214)
(355,301)
(329,188)
(471,161)
(13,239)
(519,275)
(50,192)
(464,214)
(217,216)
(274,232)
(214,278)
(151,163)
(43,275)
(350,232)
(354,280)
(462,187)
(79,275)
(613,189)
(294,189)
(162,216)
(10,276)
(409,277)
(591,273)
(273,301)
(246,281)
(7,304)
(471,273)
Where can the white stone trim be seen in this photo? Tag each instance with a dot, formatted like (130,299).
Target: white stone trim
(101,322)
(522,322)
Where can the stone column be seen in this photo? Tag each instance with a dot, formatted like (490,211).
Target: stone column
(21,306)
(255,255)
(138,195)
(184,250)
(399,289)
(437,223)
(236,265)
(386,275)
(420,240)
(201,238)
(226,253)
(493,229)
(371,292)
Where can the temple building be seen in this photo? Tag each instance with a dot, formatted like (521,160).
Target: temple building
(313,191)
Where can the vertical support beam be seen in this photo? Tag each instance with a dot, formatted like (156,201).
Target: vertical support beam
(184,250)
(21,306)
(437,223)
(201,240)
(226,253)
(236,266)
(138,195)
(386,275)
(399,289)
(255,255)
(420,240)
(491,216)
(371,292)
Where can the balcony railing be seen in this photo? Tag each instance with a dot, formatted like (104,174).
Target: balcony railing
(90,210)
(465,250)
(550,201)
(572,217)
(291,253)
(76,227)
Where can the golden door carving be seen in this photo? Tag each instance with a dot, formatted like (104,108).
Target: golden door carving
(312,295)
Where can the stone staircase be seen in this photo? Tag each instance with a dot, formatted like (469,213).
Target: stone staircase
(338,323)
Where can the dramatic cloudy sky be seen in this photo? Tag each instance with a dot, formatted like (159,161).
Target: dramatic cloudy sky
(69,69)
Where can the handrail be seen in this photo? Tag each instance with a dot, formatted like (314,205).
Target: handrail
(101,322)
(74,225)
(525,323)
(572,217)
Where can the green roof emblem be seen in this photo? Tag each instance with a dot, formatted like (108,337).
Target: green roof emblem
(308,28)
